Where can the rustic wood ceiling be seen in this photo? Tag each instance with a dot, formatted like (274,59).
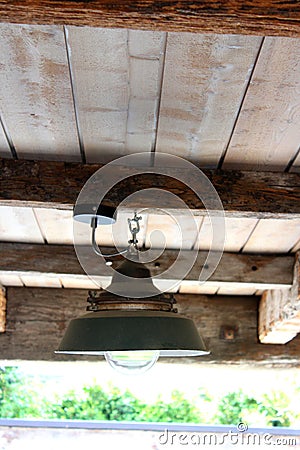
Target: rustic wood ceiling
(94,94)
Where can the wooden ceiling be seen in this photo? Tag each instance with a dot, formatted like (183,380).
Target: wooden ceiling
(94,94)
(229,103)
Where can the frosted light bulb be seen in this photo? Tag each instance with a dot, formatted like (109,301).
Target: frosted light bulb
(132,362)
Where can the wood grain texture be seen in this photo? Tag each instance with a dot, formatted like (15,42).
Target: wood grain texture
(117,78)
(2,309)
(57,185)
(270,17)
(275,236)
(37,319)
(36,97)
(267,133)
(205,78)
(260,272)
(275,325)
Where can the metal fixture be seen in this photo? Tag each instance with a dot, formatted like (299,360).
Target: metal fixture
(132,333)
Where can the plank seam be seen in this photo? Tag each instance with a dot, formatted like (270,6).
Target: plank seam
(292,160)
(157,112)
(254,228)
(223,156)
(79,134)
(9,139)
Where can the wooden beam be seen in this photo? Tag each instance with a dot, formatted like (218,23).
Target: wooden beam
(279,311)
(234,270)
(2,309)
(37,319)
(57,185)
(267,17)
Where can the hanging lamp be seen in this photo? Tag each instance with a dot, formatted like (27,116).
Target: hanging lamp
(136,324)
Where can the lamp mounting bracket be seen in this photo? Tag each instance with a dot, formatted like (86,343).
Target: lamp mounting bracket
(105,301)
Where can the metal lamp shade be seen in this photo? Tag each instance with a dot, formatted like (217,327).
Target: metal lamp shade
(85,213)
(98,332)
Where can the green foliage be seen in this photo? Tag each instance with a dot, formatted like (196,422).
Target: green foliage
(275,407)
(235,407)
(17,400)
(179,409)
(20,398)
(97,404)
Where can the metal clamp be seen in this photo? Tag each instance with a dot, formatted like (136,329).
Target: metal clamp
(134,228)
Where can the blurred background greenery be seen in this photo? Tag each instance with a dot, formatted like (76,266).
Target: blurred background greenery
(23,395)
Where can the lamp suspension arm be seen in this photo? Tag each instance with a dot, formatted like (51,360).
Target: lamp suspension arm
(95,245)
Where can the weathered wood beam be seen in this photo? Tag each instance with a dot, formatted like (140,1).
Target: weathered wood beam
(253,271)
(267,17)
(57,185)
(37,319)
(279,311)
(2,309)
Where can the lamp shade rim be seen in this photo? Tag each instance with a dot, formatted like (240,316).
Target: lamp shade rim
(97,333)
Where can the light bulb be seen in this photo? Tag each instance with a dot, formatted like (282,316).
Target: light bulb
(132,362)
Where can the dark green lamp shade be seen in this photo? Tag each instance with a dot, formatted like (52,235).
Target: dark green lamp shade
(98,332)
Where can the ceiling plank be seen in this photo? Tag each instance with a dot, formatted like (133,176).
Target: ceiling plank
(267,132)
(116,78)
(205,79)
(239,270)
(237,232)
(20,225)
(57,185)
(268,17)
(37,319)
(274,236)
(36,96)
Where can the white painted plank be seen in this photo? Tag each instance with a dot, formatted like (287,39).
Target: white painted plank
(172,231)
(205,78)
(81,282)
(35,95)
(273,236)
(4,147)
(267,133)
(117,77)
(41,281)
(170,286)
(18,224)
(7,279)
(237,232)
(236,290)
(192,287)
(56,225)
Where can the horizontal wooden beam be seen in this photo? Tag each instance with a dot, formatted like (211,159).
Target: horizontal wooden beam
(37,319)
(279,311)
(255,272)
(57,185)
(260,17)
